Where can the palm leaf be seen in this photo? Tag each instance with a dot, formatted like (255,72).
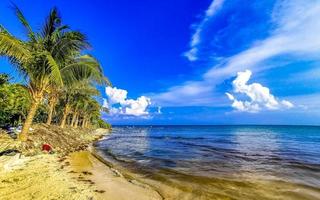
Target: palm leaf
(12,47)
(55,74)
(24,22)
(51,23)
(4,30)
(84,67)
(68,43)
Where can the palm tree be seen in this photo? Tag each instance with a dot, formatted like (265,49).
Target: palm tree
(81,82)
(75,71)
(77,92)
(41,57)
(92,110)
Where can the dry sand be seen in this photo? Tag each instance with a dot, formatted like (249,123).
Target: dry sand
(39,177)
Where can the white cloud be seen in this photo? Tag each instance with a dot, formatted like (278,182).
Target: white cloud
(296,34)
(287,104)
(260,96)
(133,107)
(196,37)
(116,95)
(137,107)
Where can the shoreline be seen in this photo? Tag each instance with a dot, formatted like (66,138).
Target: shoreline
(175,184)
(110,183)
(123,172)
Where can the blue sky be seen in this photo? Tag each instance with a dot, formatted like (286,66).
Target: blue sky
(197,62)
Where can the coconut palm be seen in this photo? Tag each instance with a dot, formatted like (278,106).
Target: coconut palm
(41,57)
(91,111)
(81,84)
(77,92)
(75,71)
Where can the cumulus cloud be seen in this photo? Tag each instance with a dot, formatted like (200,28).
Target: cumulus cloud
(137,107)
(196,37)
(259,96)
(118,104)
(116,95)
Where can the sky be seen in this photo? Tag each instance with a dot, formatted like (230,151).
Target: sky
(196,62)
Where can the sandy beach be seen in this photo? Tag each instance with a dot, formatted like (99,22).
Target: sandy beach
(78,175)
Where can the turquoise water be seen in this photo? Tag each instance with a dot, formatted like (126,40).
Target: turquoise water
(212,162)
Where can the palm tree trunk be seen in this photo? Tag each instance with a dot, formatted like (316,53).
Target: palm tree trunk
(23,136)
(51,108)
(88,123)
(74,116)
(76,122)
(69,120)
(65,115)
(83,122)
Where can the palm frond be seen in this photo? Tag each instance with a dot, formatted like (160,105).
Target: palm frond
(52,22)
(55,74)
(84,67)
(13,47)
(24,21)
(68,43)
(4,30)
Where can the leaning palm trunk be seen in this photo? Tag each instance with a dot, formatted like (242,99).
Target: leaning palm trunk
(65,115)
(23,136)
(88,124)
(74,116)
(83,122)
(52,104)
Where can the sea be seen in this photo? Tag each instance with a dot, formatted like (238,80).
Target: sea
(218,162)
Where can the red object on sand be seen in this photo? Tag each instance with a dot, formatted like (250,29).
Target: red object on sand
(46,147)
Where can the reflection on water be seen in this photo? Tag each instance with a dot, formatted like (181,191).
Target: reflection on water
(258,148)
(221,162)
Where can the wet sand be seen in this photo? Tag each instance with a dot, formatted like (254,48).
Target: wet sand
(110,184)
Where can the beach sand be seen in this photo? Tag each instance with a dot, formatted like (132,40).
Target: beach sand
(78,176)
(39,177)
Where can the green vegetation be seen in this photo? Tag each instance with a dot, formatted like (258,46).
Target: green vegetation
(14,104)
(59,79)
